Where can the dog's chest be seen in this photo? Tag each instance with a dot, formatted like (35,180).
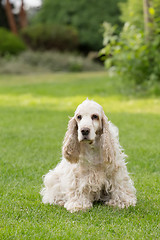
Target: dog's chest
(90,154)
(92,177)
(92,172)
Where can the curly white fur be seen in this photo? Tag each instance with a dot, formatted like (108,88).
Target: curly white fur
(93,164)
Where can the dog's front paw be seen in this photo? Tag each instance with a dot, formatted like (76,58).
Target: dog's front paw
(130,202)
(114,203)
(77,206)
(121,204)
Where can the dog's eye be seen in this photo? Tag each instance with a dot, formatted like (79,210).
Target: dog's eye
(94,116)
(79,117)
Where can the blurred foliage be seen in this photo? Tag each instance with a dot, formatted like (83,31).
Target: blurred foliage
(10,43)
(51,61)
(156,16)
(85,16)
(131,54)
(132,11)
(49,36)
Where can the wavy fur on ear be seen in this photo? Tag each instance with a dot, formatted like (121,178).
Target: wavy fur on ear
(107,143)
(71,148)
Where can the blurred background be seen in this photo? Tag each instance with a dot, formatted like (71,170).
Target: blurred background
(69,35)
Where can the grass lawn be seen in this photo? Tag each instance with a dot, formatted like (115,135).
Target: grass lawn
(34,113)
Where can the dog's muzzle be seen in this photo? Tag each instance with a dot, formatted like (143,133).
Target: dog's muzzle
(85,135)
(85,132)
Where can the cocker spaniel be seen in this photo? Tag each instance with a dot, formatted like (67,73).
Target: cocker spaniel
(93,164)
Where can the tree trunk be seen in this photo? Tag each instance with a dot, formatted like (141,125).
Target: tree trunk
(22,16)
(148,20)
(10,17)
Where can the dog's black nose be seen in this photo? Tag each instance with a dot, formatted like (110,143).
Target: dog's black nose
(85,131)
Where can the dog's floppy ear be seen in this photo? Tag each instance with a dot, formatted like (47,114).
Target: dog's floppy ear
(107,144)
(71,146)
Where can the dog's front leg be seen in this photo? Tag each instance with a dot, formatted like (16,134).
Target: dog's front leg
(122,192)
(77,202)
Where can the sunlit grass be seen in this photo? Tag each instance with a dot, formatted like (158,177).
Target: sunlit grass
(66,91)
(111,104)
(34,113)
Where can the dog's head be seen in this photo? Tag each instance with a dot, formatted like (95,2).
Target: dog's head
(88,116)
(88,123)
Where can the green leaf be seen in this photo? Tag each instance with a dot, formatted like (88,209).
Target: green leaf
(151,11)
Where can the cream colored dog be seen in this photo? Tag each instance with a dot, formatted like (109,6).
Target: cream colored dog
(93,164)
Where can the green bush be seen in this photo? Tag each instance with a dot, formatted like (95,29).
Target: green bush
(10,43)
(49,36)
(85,16)
(130,55)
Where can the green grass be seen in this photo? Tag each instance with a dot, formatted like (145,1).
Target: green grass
(34,113)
